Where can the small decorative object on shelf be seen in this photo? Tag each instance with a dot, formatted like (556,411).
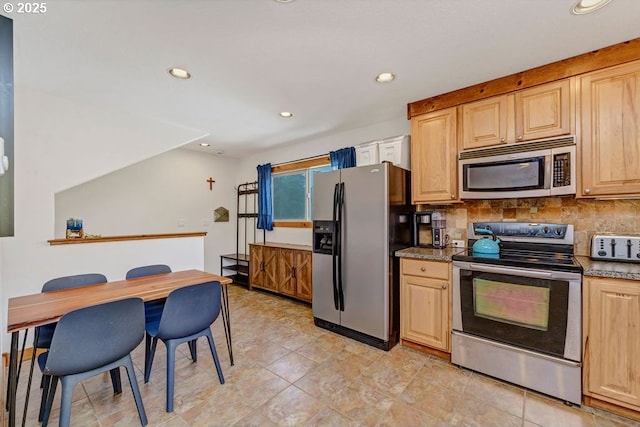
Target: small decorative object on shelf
(74,228)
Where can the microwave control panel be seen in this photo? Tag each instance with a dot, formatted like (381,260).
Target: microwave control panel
(610,247)
(561,170)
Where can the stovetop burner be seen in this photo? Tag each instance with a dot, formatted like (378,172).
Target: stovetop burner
(526,245)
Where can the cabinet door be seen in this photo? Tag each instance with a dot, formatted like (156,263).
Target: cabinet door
(610,117)
(286,275)
(484,122)
(433,157)
(256,275)
(613,346)
(263,266)
(270,268)
(424,311)
(303,274)
(543,111)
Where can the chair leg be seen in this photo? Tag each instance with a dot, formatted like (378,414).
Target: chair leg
(45,385)
(214,353)
(50,395)
(171,364)
(136,391)
(68,383)
(150,351)
(193,349)
(116,381)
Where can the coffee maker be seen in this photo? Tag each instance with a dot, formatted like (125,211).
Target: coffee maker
(421,229)
(440,238)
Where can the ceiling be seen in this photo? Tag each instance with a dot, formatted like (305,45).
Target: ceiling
(251,59)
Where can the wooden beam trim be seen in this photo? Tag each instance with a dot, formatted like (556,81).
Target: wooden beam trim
(303,164)
(292,224)
(598,59)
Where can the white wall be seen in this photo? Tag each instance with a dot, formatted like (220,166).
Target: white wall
(154,195)
(315,147)
(60,144)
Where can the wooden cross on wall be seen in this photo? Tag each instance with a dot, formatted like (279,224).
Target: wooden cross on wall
(211,181)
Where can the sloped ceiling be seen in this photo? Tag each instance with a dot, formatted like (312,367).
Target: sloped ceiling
(251,59)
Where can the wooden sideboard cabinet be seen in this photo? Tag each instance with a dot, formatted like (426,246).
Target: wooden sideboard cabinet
(538,112)
(610,132)
(281,268)
(612,344)
(425,299)
(434,157)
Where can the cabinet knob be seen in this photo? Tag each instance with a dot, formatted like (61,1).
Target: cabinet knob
(423,269)
(453,196)
(520,138)
(587,190)
(444,286)
(502,139)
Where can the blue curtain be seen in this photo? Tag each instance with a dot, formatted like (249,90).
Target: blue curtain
(265,210)
(343,158)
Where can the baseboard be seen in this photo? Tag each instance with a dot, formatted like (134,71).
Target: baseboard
(611,407)
(28,353)
(432,351)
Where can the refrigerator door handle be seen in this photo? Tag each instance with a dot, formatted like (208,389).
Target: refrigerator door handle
(334,245)
(340,205)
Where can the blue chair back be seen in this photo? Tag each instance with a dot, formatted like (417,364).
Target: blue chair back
(92,337)
(148,270)
(190,310)
(73,281)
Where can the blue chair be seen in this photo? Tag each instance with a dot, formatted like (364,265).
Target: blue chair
(188,314)
(87,342)
(45,332)
(152,309)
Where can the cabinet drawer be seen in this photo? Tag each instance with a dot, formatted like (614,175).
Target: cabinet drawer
(435,269)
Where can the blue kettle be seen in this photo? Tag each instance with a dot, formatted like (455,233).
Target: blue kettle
(486,245)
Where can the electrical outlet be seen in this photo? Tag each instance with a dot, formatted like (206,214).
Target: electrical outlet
(457,243)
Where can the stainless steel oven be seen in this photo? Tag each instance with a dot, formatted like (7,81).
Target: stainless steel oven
(518,316)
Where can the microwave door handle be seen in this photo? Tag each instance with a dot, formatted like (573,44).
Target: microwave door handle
(548,171)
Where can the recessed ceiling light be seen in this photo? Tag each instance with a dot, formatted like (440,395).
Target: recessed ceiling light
(179,73)
(385,77)
(204,144)
(283,1)
(587,6)
(286,115)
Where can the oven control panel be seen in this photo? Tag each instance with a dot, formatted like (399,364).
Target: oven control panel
(613,247)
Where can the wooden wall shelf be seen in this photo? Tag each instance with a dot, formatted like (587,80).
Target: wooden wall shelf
(54,242)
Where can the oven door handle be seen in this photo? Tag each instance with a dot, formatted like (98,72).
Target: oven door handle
(513,271)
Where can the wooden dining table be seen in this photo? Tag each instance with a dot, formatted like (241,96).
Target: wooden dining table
(29,311)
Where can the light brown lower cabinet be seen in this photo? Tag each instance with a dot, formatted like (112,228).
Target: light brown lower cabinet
(281,268)
(612,345)
(425,313)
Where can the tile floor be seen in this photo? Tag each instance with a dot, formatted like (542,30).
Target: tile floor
(287,372)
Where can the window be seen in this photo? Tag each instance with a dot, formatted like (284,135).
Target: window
(291,186)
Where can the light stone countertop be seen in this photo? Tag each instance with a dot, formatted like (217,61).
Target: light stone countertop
(617,270)
(429,253)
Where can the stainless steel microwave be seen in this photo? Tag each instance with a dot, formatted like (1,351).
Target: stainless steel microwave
(533,169)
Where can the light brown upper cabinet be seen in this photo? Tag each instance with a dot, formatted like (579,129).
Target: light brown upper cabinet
(484,122)
(538,112)
(610,132)
(434,157)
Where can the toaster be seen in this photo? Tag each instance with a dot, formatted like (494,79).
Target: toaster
(613,247)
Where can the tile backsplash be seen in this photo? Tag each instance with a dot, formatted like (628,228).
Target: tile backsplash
(588,216)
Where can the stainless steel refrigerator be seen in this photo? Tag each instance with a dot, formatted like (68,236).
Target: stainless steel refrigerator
(361,216)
